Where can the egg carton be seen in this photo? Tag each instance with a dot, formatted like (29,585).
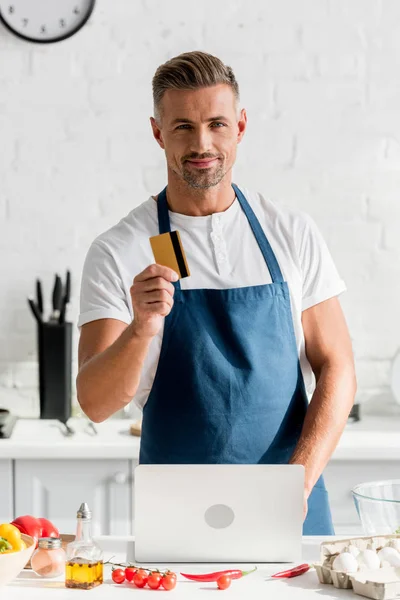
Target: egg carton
(379,584)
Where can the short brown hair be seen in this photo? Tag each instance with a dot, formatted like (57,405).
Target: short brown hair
(190,71)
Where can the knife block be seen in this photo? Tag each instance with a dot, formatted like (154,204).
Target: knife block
(55,370)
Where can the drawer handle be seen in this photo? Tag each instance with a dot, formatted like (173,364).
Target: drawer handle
(120,478)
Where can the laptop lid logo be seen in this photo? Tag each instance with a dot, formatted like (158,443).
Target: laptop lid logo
(219,516)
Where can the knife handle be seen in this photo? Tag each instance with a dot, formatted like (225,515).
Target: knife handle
(57,293)
(68,287)
(39,296)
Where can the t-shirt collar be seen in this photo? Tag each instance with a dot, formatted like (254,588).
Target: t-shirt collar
(187,221)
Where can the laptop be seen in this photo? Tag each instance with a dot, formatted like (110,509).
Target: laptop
(218,513)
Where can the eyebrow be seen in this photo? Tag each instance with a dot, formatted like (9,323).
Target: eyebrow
(219,118)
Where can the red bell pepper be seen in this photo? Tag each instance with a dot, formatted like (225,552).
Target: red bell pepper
(48,529)
(29,526)
(36,528)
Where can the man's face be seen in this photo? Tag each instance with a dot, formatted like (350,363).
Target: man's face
(199,131)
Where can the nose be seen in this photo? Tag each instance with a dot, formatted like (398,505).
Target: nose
(201,140)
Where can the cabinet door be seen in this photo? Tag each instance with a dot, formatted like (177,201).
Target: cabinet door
(340,478)
(55,489)
(6,493)
(134,464)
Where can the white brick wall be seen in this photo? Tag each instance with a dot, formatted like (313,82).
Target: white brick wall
(321,82)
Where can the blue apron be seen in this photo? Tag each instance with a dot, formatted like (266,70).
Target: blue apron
(228,387)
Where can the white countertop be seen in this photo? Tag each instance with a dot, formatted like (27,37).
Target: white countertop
(372,438)
(41,439)
(256,586)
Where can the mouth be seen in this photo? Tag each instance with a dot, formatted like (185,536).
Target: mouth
(204,163)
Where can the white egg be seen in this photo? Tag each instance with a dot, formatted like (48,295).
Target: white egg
(368,559)
(395,543)
(354,550)
(345,562)
(390,555)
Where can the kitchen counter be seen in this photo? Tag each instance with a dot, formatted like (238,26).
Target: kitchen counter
(42,439)
(256,586)
(371,439)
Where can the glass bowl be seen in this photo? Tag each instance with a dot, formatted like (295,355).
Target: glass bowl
(378,506)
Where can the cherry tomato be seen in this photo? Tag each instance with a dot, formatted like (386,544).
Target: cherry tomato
(154,580)
(143,573)
(169,581)
(130,573)
(224,582)
(118,576)
(140,578)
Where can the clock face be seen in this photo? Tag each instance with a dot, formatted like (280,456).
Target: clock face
(45,21)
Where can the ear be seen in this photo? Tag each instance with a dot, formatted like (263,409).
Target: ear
(242,124)
(157,132)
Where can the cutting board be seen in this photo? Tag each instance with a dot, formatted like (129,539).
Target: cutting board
(136,428)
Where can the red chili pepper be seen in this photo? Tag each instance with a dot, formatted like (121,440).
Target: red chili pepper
(292,572)
(208,577)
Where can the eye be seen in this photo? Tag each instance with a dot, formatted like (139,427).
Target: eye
(184,126)
(218,123)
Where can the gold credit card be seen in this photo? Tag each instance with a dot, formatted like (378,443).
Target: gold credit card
(168,251)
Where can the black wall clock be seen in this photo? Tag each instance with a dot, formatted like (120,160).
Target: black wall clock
(45,21)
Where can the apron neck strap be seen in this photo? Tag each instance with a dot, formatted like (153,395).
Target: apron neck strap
(267,252)
(265,247)
(164,224)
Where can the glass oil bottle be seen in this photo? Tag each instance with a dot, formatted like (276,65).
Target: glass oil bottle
(84,565)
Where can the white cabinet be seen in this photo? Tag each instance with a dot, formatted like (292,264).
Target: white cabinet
(6,491)
(340,478)
(55,489)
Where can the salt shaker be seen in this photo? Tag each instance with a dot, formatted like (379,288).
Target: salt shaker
(49,558)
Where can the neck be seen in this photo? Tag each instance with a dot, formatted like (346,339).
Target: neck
(84,531)
(193,202)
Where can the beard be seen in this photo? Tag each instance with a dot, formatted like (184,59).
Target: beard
(202,179)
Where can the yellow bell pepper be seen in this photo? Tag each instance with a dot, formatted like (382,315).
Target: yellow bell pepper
(11,536)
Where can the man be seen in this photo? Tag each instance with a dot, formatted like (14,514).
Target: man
(220,361)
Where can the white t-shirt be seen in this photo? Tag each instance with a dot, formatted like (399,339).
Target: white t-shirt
(222,252)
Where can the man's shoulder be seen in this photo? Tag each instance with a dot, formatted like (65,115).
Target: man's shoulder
(276,213)
(139,223)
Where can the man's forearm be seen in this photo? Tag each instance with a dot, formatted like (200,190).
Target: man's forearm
(107,382)
(325,420)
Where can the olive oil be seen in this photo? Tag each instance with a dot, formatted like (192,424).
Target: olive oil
(84,564)
(82,574)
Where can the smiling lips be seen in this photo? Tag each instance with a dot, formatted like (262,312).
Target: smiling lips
(203,163)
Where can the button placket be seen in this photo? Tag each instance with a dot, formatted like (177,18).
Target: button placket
(218,240)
